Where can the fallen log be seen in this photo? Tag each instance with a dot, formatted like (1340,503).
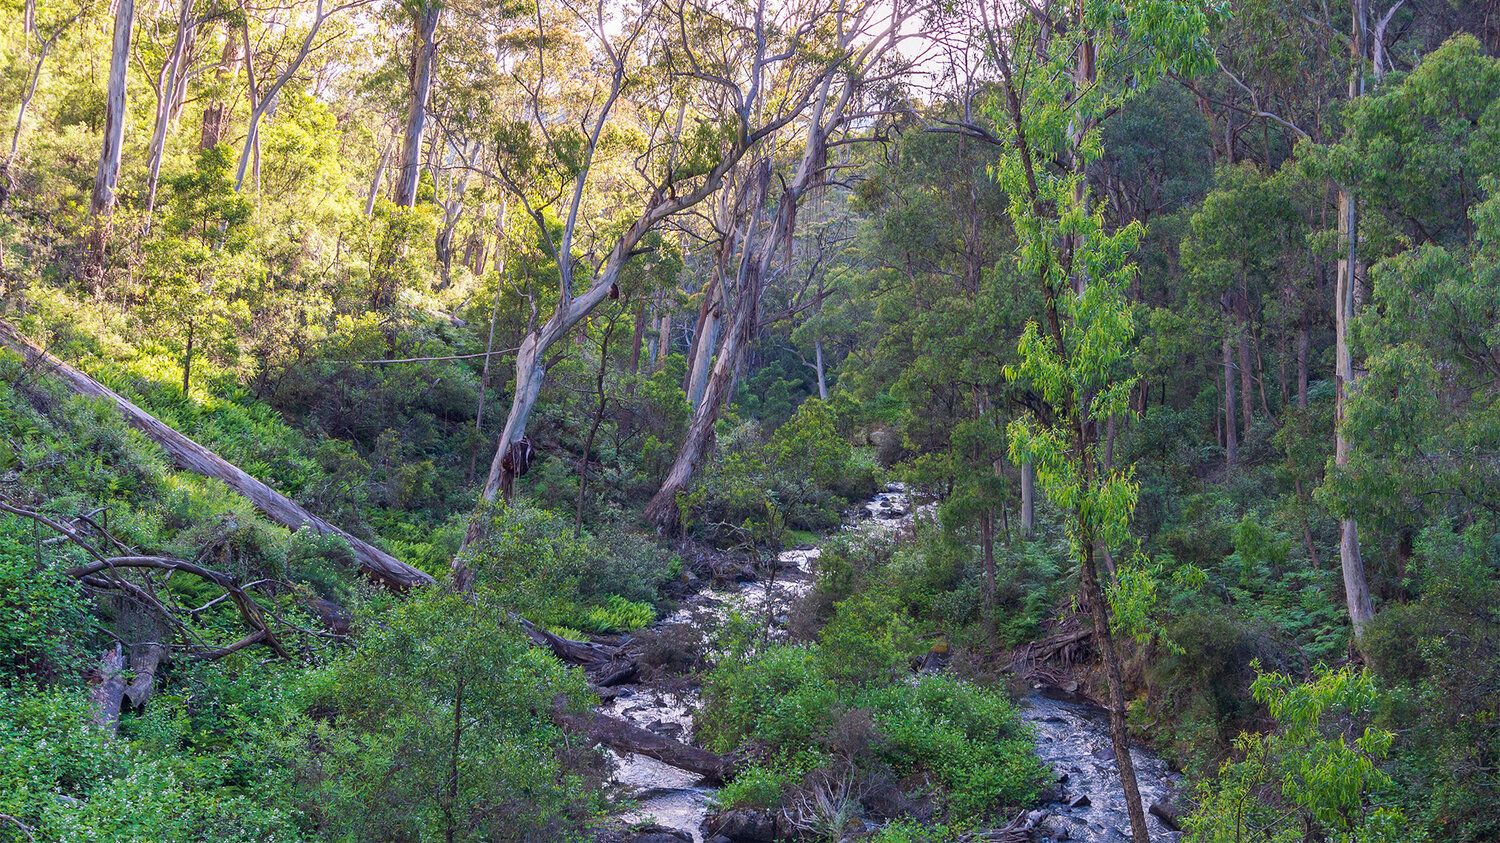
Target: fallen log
(567,649)
(605,666)
(191,456)
(624,736)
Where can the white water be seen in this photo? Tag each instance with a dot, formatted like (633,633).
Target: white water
(1072,738)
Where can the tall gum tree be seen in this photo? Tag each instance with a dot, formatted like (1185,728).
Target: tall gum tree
(1079,62)
(741,85)
(107,176)
(867,35)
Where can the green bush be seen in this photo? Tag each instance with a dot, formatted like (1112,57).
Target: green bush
(437,727)
(1316,775)
(45,621)
(184,781)
(797,719)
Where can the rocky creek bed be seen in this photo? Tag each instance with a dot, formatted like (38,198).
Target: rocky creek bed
(1086,804)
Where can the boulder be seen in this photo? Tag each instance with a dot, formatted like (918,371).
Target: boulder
(1170,808)
(741,825)
(659,834)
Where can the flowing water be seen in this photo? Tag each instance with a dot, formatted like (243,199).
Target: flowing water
(1072,738)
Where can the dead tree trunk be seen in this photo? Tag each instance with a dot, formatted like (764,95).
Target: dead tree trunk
(107,685)
(624,736)
(191,456)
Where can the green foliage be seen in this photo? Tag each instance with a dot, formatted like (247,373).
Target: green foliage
(224,779)
(847,703)
(434,731)
(1316,773)
(45,622)
(534,561)
(1435,655)
(801,476)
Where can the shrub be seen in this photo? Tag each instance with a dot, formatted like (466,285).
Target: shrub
(438,724)
(45,622)
(1316,775)
(799,721)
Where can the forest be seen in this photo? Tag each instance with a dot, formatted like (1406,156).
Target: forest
(735,421)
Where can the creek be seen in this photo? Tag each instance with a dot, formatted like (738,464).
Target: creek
(1072,737)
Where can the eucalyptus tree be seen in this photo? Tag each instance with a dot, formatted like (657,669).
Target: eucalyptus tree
(738,75)
(107,176)
(169,86)
(1422,153)
(1063,69)
(424,15)
(865,38)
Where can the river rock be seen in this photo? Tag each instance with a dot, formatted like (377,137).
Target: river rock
(1170,808)
(741,825)
(659,834)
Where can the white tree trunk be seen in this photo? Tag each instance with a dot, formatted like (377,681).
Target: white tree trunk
(818,363)
(1028,499)
(102,203)
(424,50)
(374,192)
(703,357)
(1347,299)
(169,79)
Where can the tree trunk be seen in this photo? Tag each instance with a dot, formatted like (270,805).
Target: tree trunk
(987,551)
(1028,499)
(191,456)
(663,340)
(145,659)
(258,103)
(171,75)
(624,736)
(102,202)
(187,361)
(8,173)
(216,112)
(484,372)
(1242,354)
(602,403)
(704,341)
(1118,729)
(818,364)
(374,191)
(107,684)
(1347,299)
(662,509)
(1303,343)
(1231,440)
(637,343)
(424,51)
